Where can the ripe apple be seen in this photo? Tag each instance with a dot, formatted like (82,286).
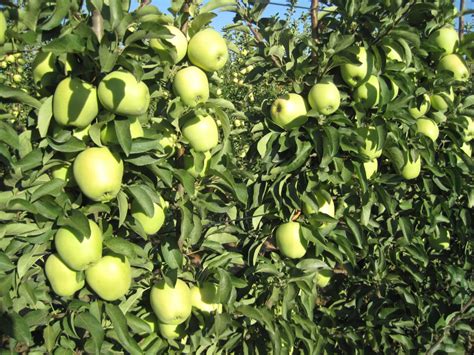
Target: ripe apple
(371,167)
(3,28)
(446,39)
(411,169)
(64,281)
(324,97)
(289,240)
(98,173)
(206,298)
(438,101)
(201,132)
(172,305)
(370,150)
(468,131)
(168,136)
(367,93)
(323,277)
(455,64)
(75,103)
(109,136)
(178,41)
(207,49)
(428,128)
(289,111)
(78,251)
(355,74)
(171,331)
(325,205)
(63,172)
(466,148)
(418,109)
(191,85)
(121,93)
(188,164)
(151,225)
(110,277)
(44,72)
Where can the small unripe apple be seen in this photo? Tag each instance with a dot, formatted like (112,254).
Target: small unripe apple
(290,241)
(323,277)
(17,78)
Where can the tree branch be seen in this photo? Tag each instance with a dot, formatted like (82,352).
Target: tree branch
(314,18)
(461,20)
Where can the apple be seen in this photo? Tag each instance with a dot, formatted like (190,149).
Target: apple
(367,94)
(395,89)
(289,111)
(428,128)
(371,167)
(417,108)
(289,240)
(64,281)
(392,54)
(75,103)
(455,64)
(109,136)
(98,173)
(110,277)
(323,277)
(191,85)
(78,251)
(446,39)
(81,133)
(355,74)
(172,305)
(207,49)
(10,58)
(206,298)
(171,331)
(324,97)
(201,132)
(411,169)
(168,134)
(150,224)
(370,150)
(63,172)
(3,28)
(44,72)
(178,41)
(466,148)
(188,164)
(325,205)
(468,131)
(17,78)
(438,101)
(121,93)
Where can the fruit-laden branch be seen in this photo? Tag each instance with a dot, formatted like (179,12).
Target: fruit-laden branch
(461,20)
(395,23)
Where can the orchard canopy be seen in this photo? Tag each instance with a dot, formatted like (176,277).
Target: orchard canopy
(297,180)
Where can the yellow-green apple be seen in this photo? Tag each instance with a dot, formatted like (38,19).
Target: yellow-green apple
(172,305)
(79,251)
(324,97)
(63,172)
(150,224)
(168,136)
(121,93)
(367,94)
(17,78)
(171,331)
(188,164)
(412,168)
(3,28)
(428,128)
(290,241)
(395,89)
(370,150)
(207,49)
(418,108)
(454,64)
(392,54)
(110,277)
(325,205)
(438,101)
(468,131)
(191,85)
(355,74)
(178,41)
(63,280)
(466,148)
(323,277)
(289,111)
(446,39)
(75,103)
(206,298)
(98,173)
(201,132)
(44,72)
(109,136)
(371,168)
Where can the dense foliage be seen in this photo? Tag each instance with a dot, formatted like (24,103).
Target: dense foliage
(389,270)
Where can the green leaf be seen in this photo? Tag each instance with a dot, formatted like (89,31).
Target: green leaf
(44,116)
(121,246)
(88,322)
(122,129)
(223,5)
(142,197)
(52,188)
(61,10)
(13,325)
(18,95)
(120,326)
(68,43)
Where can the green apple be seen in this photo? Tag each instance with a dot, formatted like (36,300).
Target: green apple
(289,111)
(454,64)
(428,128)
(392,54)
(324,97)
(172,305)
(468,131)
(178,41)
(10,58)
(206,298)
(110,277)
(438,101)
(64,281)
(323,277)
(371,168)
(63,172)
(466,148)
(191,85)
(325,205)
(109,136)
(75,103)
(188,164)
(418,108)
(81,133)
(121,93)
(411,169)
(3,28)
(17,78)
(370,150)
(446,39)
(201,132)
(395,89)
(79,251)
(289,240)
(98,173)
(171,331)
(168,136)
(44,72)
(355,74)
(207,49)
(367,94)
(150,224)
